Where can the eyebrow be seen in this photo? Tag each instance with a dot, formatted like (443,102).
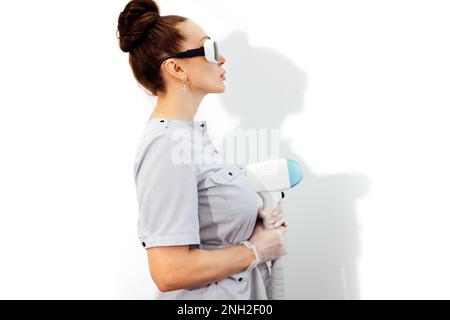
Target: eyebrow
(204,37)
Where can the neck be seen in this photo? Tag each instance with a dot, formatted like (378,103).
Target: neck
(177,106)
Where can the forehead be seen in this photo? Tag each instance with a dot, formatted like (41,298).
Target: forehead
(194,33)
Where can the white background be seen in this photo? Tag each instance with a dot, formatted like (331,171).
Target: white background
(359,89)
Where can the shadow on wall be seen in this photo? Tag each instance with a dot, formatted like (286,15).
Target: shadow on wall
(323,238)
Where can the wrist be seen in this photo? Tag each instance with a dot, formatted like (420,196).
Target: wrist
(253,253)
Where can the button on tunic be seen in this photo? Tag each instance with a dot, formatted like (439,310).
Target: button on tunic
(187,196)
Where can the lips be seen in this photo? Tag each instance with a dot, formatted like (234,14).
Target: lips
(222,74)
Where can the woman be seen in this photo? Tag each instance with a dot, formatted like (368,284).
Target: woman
(199,222)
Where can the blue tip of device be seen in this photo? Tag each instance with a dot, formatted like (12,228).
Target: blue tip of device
(295,172)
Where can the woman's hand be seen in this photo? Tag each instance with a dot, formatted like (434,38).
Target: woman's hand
(267,243)
(277,218)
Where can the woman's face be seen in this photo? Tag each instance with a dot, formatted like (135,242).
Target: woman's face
(202,76)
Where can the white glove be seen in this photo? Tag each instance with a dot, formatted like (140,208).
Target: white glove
(267,244)
(277,218)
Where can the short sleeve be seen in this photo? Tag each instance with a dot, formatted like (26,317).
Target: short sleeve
(167,196)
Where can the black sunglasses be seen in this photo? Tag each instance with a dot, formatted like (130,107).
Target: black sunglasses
(210,50)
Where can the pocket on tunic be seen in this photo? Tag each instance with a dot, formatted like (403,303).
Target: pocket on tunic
(236,286)
(226,174)
(235,186)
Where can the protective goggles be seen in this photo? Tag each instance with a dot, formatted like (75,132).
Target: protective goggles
(209,49)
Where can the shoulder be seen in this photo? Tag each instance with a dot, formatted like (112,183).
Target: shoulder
(161,139)
(151,138)
(159,145)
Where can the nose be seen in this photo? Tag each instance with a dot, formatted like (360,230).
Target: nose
(221,60)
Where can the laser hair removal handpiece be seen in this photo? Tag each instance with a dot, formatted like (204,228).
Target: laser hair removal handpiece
(269,179)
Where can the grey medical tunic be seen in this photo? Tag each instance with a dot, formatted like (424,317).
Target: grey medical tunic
(204,203)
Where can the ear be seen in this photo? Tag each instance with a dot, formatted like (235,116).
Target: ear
(174,68)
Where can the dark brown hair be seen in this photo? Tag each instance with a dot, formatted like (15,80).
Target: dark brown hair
(147,37)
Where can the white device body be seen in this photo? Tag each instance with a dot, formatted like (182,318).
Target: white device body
(269,179)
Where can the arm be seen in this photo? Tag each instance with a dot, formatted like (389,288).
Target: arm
(179,267)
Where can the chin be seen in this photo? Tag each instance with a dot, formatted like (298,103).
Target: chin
(218,88)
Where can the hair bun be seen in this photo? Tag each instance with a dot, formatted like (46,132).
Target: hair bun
(134,21)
